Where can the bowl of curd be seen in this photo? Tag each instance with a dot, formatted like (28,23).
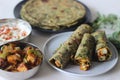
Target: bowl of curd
(14,30)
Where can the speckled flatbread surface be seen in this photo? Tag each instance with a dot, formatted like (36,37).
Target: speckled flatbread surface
(52,14)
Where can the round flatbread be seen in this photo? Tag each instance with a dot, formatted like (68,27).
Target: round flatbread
(52,14)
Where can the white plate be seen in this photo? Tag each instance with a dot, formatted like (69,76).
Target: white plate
(97,67)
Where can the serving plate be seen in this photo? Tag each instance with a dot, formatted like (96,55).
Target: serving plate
(97,67)
(86,19)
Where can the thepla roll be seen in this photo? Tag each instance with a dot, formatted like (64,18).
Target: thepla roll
(103,52)
(85,52)
(67,50)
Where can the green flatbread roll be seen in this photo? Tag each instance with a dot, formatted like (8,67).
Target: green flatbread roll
(85,52)
(103,53)
(65,53)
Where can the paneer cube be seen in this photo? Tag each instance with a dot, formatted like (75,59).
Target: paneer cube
(13,59)
(22,67)
(31,58)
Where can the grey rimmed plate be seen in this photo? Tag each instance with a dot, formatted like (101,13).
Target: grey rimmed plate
(97,67)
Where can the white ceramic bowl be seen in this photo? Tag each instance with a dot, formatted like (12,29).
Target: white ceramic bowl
(18,75)
(21,75)
(12,30)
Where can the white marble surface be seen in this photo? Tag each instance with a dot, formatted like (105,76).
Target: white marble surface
(46,72)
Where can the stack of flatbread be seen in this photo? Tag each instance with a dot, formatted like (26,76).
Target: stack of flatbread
(53,14)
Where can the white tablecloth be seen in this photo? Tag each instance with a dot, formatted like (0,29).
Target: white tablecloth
(46,72)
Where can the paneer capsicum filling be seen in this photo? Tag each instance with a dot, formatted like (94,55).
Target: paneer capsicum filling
(16,58)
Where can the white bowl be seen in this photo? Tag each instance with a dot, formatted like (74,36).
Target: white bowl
(11,23)
(21,75)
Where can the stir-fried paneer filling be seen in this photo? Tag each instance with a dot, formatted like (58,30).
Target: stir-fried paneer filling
(57,63)
(103,54)
(85,64)
(15,57)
